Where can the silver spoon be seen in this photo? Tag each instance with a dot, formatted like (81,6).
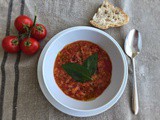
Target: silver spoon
(132,47)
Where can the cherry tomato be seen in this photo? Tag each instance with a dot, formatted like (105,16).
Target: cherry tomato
(22,23)
(11,44)
(39,32)
(29,46)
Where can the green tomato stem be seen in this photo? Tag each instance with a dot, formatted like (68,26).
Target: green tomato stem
(34,22)
(27,43)
(15,42)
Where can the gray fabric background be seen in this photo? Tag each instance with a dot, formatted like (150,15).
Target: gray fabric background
(58,15)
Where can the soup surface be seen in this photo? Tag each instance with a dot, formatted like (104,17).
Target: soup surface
(77,52)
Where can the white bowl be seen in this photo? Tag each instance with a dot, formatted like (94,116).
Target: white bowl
(119,68)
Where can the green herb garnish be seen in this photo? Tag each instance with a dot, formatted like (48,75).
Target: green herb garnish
(82,73)
(77,72)
(91,63)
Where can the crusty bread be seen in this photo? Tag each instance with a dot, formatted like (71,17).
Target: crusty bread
(109,16)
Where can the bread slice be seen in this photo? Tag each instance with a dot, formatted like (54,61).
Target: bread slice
(109,16)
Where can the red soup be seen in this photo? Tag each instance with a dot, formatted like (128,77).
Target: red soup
(77,52)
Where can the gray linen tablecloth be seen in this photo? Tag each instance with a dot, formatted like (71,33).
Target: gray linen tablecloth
(20,94)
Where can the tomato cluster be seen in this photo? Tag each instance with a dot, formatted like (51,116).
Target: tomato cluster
(29,36)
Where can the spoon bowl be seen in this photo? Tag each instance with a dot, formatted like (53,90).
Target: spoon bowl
(133,43)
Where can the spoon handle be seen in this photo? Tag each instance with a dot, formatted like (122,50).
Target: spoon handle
(135,106)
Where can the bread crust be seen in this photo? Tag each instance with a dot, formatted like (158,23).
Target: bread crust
(110,6)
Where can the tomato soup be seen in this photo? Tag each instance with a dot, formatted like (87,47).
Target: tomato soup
(77,52)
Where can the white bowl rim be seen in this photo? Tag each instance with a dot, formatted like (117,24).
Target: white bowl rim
(125,77)
(52,100)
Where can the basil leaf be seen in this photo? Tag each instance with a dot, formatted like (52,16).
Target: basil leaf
(77,72)
(91,63)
